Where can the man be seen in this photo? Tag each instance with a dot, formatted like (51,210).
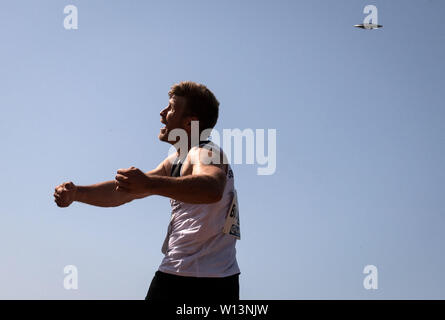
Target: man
(200,256)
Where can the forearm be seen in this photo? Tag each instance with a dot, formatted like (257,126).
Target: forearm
(102,194)
(190,189)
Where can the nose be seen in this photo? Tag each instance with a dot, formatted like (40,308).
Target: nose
(162,113)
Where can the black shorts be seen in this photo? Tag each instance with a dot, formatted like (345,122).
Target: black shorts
(171,287)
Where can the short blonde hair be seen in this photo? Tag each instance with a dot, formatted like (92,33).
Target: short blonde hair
(200,102)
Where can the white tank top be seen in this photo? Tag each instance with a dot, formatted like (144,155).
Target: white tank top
(195,245)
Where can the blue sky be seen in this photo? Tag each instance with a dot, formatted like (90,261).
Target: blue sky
(360,142)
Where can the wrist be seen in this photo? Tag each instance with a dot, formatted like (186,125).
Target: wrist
(77,193)
(152,184)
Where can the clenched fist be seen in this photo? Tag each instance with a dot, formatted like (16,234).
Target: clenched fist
(132,180)
(64,194)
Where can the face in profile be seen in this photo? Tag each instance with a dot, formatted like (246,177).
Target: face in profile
(172,117)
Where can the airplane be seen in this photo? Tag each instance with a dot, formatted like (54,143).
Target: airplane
(368,26)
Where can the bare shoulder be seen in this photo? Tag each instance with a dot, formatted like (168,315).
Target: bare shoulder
(208,155)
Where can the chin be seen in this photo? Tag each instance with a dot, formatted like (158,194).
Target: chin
(163,136)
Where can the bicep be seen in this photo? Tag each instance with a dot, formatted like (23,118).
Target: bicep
(215,171)
(204,166)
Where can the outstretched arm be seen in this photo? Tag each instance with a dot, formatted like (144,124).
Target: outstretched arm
(103,194)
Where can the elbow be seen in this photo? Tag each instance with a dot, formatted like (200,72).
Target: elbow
(216,193)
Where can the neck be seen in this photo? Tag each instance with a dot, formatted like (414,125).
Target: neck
(182,149)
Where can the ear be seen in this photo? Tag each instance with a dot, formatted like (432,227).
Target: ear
(189,120)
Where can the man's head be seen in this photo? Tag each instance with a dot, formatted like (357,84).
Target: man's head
(188,101)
